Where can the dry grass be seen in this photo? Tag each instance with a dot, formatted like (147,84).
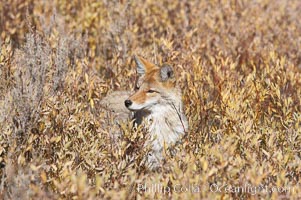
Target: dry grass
(237,62)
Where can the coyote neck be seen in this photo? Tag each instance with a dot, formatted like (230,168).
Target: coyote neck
(166,123)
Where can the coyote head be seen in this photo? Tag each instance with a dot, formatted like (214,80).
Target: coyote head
(155,85)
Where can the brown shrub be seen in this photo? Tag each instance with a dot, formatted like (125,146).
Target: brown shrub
(238,63)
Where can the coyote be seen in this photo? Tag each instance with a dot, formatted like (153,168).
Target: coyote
(157,101)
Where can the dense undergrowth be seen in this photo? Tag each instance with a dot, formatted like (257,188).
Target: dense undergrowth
(238,64)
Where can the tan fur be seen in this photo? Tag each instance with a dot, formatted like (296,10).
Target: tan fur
(161,108)
(158,104)
(114,103)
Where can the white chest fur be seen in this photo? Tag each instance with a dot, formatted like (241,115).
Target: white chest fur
(166,124)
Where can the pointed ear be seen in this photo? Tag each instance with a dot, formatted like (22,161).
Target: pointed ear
(140,65)
(166,72)
(143,65)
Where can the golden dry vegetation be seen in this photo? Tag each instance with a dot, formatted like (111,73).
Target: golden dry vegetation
(238,63)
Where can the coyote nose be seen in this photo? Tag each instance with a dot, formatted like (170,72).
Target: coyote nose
(127,103)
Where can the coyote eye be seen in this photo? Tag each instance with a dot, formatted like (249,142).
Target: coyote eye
(137,87)
(151,91)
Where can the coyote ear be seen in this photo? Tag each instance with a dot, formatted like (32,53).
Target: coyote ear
(140,65)
(144,66)
(166,72)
